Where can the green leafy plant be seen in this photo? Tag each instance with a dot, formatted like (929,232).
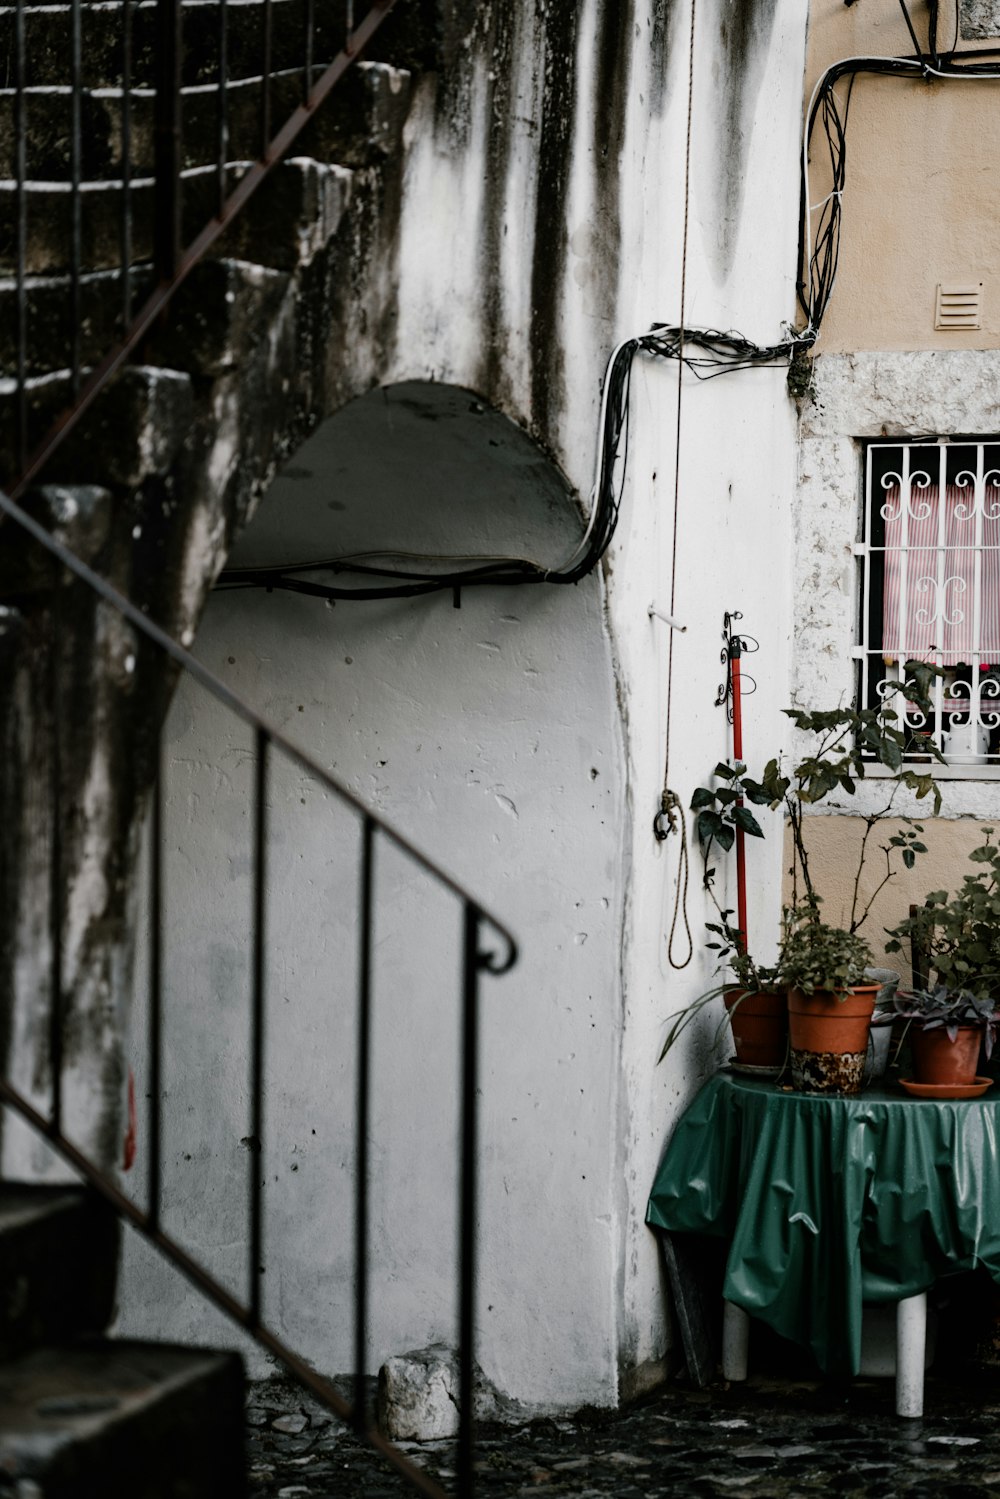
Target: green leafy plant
(719,808)
(815,955)
(941,1008)
(681,1019)
(959,935)
(843,739)
(721,812)
(731,953)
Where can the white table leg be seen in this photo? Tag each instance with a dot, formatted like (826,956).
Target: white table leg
(735,1341)
(911,1334)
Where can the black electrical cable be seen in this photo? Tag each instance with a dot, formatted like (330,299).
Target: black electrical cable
(705,352)
(819,263)
(909,27)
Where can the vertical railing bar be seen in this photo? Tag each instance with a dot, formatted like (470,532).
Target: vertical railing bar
(155,987)
(256,1151)
(126,148)
(904,555)
(349,27)
(363,1109)
(56,867)
(976,650)
(76,202)
(167,167)
(866,535)
(265,97)
(307,79)
(465,1478)
(21,170)
(223,110)
(939,574)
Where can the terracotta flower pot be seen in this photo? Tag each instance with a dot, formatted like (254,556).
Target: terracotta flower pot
(936,1059)
(828,1032)
(760,1027)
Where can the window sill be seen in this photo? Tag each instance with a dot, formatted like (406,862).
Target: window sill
(982,770)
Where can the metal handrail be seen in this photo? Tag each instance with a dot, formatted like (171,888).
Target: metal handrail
(479,956)
(173,265)
(218,689)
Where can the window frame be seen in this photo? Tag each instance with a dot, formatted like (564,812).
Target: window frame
(973,463)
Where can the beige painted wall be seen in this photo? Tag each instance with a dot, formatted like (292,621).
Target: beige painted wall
(922,197)
(833,843)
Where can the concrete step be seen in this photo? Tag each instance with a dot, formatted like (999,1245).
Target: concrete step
(288,205)
(133,432)
(360,121)
(48,40)
(49,317)
(58,1265)
(49,115)
(123,1421)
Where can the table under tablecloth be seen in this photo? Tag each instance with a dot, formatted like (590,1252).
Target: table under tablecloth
(830,1202)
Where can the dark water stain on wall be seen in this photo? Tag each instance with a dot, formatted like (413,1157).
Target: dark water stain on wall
(743,29)
(12,629)
(612,65)
(500,106)
(559,25)
(462,30)
(662,29)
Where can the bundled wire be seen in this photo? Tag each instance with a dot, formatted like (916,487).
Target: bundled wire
(828,115)
(705,352)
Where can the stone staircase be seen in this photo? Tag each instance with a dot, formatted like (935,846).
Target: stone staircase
(81,1415)
(321,205)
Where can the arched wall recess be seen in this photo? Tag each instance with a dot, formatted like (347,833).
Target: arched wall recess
(490,733)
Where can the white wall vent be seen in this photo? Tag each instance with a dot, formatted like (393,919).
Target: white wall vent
(959,306)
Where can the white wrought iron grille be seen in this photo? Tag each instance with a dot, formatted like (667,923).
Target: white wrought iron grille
(930,591)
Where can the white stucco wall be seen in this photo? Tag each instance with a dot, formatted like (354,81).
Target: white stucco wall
(489,734)
(572,1303)
(736,480)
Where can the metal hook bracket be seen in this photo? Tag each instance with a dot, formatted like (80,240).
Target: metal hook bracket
(737,644)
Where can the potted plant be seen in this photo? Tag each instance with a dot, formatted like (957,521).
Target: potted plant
(947,1028)
(958,938)
(815,954)
(755,1004)
(830,1005)
(822,964)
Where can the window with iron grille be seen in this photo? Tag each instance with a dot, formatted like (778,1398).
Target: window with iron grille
(930,590)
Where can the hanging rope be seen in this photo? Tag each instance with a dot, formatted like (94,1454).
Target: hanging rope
(671,809)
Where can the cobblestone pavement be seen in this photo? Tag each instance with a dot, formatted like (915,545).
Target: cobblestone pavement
(766,1438)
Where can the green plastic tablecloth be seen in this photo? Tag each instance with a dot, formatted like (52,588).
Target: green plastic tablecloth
(829,1202)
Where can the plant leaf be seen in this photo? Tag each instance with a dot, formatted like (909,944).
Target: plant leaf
(744,818)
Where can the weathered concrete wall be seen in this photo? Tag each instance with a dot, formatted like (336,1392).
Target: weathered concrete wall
(538,218)
(489,733)
(587,200)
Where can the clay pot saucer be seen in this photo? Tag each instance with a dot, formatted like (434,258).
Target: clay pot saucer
(946,1090)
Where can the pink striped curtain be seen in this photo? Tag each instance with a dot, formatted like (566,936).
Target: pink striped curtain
(940,590)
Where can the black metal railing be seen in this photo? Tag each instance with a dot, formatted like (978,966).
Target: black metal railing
(486,947)
(172,207)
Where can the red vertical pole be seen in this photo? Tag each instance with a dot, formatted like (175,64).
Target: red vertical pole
(741,872)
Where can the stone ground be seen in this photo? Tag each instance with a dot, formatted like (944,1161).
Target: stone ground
(770,1437)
